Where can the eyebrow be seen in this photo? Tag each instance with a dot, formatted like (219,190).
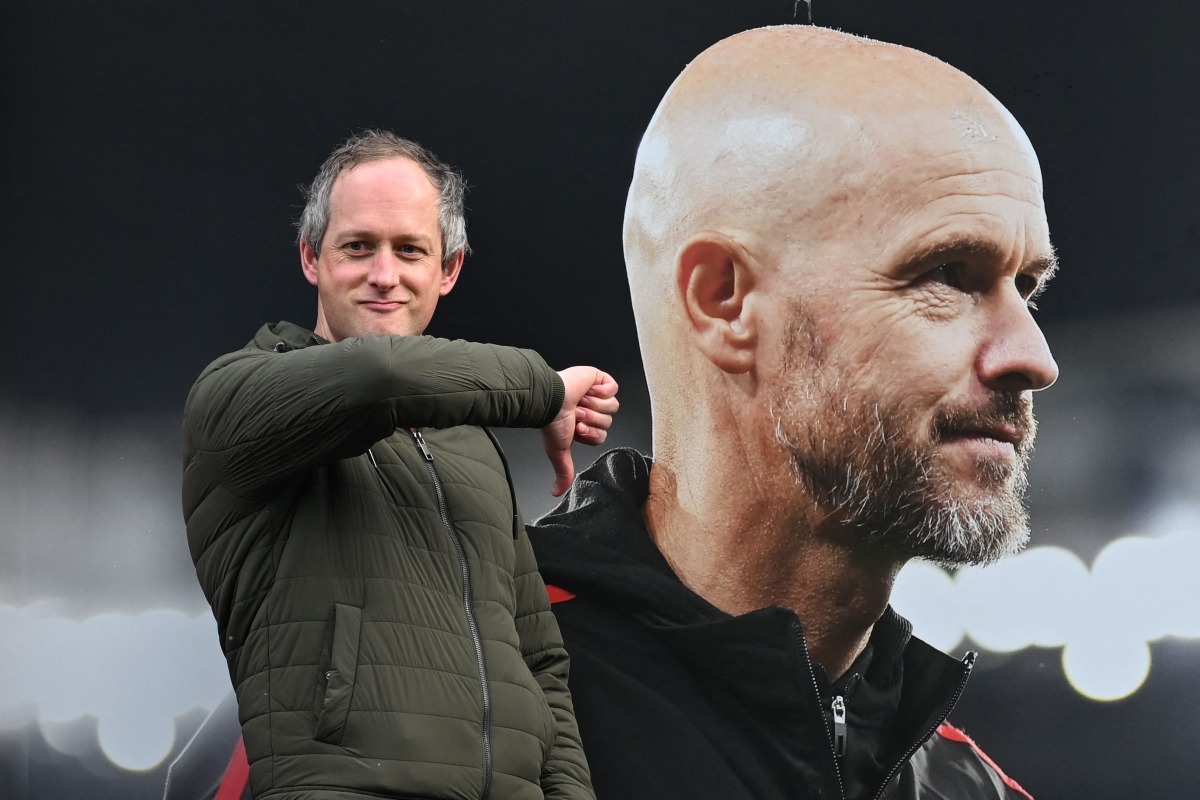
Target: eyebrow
(355,234)
(1043,267)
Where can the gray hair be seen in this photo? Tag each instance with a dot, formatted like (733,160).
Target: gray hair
(380,145)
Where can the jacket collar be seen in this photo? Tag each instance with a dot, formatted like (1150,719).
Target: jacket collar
(595,545)
(284,336)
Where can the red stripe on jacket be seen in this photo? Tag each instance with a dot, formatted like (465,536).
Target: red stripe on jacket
(558,595)
(237,775)
(948,731)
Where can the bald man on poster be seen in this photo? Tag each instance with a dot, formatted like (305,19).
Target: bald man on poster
(832,246)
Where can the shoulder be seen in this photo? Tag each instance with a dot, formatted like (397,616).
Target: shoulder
(270,339)
(952,760)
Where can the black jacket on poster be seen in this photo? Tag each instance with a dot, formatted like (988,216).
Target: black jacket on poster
(675,698)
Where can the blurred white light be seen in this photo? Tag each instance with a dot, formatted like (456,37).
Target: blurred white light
(925,595)
(136,741)
(134,673)
(1177,585)
(53,658)
(1106,667)
(1050,591)
(1125,588)
(995,613)
(66,738)
(1138,590)
(1174,518)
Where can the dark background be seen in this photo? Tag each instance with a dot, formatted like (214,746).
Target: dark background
(151,153)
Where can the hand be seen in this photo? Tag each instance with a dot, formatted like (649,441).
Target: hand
(588,405)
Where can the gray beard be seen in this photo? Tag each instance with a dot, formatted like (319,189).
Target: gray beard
(860,465)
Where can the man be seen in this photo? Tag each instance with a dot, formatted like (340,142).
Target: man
(832,247)
(354,527)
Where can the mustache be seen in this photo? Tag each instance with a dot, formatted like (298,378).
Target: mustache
(1004,411)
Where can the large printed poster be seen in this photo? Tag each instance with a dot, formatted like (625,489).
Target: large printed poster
(152,155)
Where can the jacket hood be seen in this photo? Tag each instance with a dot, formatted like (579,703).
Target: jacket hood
(282,336)
(594,543)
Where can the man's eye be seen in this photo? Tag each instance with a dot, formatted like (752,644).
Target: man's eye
(1027,285)
(409,249)
(356,247)
(950,274)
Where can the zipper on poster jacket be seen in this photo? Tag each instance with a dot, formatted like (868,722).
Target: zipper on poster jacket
(968,663)
(839,725)
(465,574)
(812,675)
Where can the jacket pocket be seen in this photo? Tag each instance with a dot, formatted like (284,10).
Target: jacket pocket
(549,727)
(335,682)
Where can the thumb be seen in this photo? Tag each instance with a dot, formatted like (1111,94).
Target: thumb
(557,444)
(564,471)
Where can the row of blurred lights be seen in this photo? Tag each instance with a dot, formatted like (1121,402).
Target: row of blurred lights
(135,674)
(1138,590)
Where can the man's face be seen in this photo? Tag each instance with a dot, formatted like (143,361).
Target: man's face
(380,270)
(909,354)
(880,468)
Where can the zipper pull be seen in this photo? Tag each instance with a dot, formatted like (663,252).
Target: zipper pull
(839,726)
(420,440)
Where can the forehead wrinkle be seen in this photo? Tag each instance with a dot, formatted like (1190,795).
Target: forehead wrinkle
(970,165)
(983,172)
(985,192)
(911,187)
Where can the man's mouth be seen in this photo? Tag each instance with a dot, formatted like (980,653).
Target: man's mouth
(1005,420)
(1001,432)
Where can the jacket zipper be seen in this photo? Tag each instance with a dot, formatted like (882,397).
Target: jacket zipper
(968,663)
(839,725)
(812,676)
(465,574)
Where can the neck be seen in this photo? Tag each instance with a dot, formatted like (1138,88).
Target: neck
(725,534)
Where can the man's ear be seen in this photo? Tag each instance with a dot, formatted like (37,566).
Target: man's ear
(450,273)
(308,262)
(714,277)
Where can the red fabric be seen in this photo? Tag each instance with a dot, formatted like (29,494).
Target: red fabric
(948,731)
(558,595)
(237,774)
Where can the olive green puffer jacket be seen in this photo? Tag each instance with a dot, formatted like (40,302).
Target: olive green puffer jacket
(385,626)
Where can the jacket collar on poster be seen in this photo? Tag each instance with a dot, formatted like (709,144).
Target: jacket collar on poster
(595,545)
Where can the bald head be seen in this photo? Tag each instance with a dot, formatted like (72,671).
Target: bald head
(774,138)
(831,245)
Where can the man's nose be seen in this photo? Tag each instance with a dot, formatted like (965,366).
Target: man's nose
(384,272)
(1015,356)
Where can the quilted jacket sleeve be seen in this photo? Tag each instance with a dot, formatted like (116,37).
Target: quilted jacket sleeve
(566,774)
(257,417)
